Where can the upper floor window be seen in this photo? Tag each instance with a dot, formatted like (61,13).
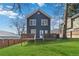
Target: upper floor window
(44,22)
(32,22)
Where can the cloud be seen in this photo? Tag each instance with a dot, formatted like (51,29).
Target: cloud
(3,12)
(21,17)
(9,6)
(41,4)
(10,14)
(12,17)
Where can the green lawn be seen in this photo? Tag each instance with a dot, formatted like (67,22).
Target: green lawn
(48,48)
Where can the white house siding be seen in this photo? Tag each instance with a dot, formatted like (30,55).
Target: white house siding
(69,23)
(75,34)
(72,30)
(75,30)
(76,23)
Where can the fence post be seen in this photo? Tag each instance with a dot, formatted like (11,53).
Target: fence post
(8,42)
(3,43)
(14,41)
(34,38)
(21,41)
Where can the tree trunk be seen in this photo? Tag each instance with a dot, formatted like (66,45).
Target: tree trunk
(65,21)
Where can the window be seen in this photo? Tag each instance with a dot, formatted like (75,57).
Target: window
(38,13)
(32,22)
(46,31)
(33,31)
(41,33)
(44,22)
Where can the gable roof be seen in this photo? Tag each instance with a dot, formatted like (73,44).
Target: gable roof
(37,11)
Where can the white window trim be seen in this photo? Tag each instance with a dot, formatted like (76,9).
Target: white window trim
(33,23)
(44,22)
(33,31)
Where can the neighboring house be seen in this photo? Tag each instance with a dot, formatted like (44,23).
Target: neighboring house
(73,26)
(38,24)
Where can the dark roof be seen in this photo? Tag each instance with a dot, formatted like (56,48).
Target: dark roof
(37,11)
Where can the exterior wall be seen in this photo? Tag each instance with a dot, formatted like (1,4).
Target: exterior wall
(72,28)
(76,23)
(73,34)
(38,26)
(74,31)
(69,23)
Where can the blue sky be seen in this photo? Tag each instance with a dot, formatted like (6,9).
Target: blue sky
(55,10)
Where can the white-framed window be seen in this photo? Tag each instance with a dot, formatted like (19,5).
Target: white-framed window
(44,22)
(46,31)
(41,32)
(32,22)
(33,31)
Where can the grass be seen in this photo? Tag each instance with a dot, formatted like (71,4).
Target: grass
(47,48)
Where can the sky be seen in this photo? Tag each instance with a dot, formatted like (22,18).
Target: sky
(7,13)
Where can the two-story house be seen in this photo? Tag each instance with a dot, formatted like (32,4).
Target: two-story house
(38,24)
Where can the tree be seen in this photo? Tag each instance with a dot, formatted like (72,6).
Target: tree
(20,24)
(20,21)
(65,21)
(73,9)
(54,23)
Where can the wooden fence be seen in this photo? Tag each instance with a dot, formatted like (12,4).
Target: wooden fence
(9,42)
(24,37)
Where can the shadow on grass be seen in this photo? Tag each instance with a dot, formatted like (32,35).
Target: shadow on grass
(53,41)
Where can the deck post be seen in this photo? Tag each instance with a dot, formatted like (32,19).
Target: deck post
(35,38)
